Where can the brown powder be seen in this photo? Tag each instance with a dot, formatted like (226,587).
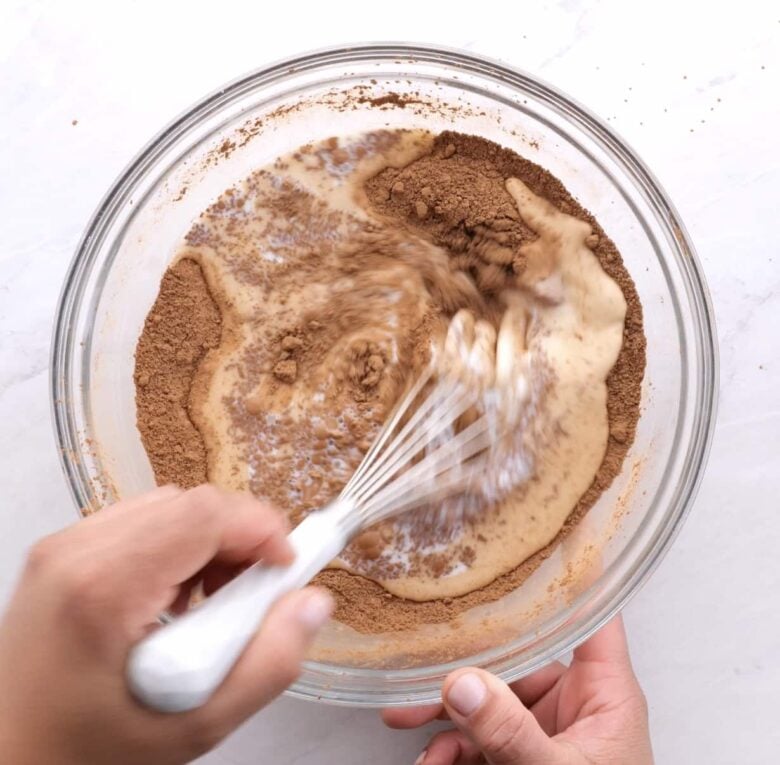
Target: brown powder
(182,326)
(392,99)
(454,196)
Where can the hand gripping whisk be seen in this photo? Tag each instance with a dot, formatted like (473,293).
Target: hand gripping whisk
(180,665)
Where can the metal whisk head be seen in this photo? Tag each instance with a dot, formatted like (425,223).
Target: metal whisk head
(389,481)
(420,456)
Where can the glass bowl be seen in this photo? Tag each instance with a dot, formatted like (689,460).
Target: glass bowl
(138,226)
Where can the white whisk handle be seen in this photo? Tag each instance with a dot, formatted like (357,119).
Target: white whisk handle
(180,665)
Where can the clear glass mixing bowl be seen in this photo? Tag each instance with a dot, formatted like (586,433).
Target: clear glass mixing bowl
(132,236)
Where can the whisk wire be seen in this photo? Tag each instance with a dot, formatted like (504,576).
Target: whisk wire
(419,456)
(429,403)
(413,438)
(387,430)
(444,470)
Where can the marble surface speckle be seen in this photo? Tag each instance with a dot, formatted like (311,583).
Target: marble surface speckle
(83,86)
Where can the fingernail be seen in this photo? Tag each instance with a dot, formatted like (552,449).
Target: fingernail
(315,610)
(467,694)
(421,759)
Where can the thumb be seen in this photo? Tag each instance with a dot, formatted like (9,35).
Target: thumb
(486,710)
(272,660)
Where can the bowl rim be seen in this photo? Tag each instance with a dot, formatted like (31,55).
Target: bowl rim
(706,391)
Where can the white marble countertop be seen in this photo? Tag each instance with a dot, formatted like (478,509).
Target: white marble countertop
(82,87)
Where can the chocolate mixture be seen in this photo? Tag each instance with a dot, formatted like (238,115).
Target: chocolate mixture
(453,196)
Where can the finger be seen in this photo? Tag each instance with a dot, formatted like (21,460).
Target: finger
(530,689)
(248,530)
(158,494)
(165,544)
(410,717)
(271,545)
(607,646)
(495,720)
(548,713)
(272,660)
(450,747)
(127,506)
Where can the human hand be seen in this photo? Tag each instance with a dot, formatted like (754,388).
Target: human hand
(590,713)
(90,592)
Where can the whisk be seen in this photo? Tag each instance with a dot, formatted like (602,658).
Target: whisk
(417,458)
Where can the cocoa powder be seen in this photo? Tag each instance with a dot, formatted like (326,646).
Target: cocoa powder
(454,196)
(182,326)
